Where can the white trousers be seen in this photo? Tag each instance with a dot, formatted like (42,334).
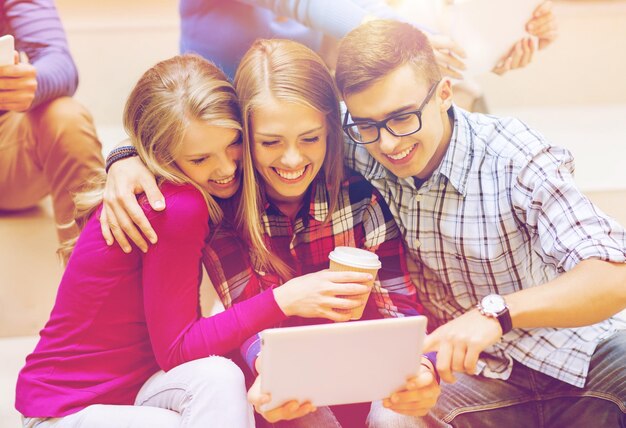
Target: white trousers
(208,392)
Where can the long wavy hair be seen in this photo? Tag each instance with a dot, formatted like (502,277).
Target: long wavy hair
(286,71)
(166,99)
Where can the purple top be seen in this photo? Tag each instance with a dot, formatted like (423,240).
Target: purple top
(38,32)
(119,318)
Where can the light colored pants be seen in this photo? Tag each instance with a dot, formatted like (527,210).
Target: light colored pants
(204,393)
(52,149)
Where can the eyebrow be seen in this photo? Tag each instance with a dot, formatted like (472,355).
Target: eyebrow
(199,155)
(310,131)
(391,113)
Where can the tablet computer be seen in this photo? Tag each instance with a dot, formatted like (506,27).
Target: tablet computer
(341,363)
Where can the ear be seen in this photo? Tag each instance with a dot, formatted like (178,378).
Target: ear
(444,94)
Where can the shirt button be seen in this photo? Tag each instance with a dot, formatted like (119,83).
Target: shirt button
(417,243)
(418,198)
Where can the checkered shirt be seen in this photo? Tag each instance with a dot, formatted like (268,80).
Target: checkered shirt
(361,220)
(500,213)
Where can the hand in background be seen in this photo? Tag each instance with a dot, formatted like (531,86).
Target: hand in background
(520,55)
(18,84)
(459,343)
(121,213)
(448,55)
(419,395)
(319,294)
(543,24)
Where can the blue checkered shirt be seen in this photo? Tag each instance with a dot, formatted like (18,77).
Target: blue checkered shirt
(501,213)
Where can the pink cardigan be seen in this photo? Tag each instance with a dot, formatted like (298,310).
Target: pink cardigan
(119,318)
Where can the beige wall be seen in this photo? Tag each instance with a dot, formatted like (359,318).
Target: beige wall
(113,42)
(573,92)
(584,66)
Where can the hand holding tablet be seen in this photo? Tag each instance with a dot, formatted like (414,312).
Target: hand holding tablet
(344,363)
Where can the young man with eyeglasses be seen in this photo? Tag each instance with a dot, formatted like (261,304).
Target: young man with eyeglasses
(518,271)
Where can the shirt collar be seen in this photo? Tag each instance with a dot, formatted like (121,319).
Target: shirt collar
(457,162)
(359,159)
(316,199)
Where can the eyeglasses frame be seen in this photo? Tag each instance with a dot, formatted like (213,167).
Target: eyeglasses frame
(383,123)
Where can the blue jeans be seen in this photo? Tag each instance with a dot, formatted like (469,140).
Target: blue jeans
(529,398)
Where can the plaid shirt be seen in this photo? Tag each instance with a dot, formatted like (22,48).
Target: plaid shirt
(361,219)
(501,213)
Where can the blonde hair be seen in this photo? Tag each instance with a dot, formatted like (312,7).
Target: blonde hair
(291,72)
(166,99)
(376,48)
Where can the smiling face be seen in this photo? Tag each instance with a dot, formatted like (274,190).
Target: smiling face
(288,147)
(415,155)
(211,157)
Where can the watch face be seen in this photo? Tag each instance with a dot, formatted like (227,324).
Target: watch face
(493,303)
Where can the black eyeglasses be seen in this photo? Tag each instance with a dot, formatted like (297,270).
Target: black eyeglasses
(399,125)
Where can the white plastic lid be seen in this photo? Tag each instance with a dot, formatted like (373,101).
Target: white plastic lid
(355,257)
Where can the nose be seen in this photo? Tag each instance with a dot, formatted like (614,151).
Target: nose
(292,157)
(387,141)
(226,165)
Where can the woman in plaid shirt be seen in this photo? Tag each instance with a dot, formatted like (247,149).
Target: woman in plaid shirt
(300,204)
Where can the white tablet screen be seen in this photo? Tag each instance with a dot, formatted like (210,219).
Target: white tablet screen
(341,363)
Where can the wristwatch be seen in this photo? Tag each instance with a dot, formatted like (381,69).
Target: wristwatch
(494,306)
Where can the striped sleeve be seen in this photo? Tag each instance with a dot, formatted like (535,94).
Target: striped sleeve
(569,227)
(38,32)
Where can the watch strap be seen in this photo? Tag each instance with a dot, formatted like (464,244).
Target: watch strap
(504,318)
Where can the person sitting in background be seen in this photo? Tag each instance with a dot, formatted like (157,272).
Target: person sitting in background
(48,143)
(223,30)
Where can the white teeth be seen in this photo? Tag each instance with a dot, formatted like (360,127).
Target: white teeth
(290,175)
(225,180)
(402,154)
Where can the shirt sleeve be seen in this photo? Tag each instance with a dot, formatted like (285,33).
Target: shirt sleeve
(227,263)
(394,293)
(38,32)
(171,279)
(564,224)
(250,351)
(332,17)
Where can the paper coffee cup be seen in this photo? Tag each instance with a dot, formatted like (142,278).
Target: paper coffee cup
(349,259)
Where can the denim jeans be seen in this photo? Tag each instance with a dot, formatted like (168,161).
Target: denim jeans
(209,392)
(529,398)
